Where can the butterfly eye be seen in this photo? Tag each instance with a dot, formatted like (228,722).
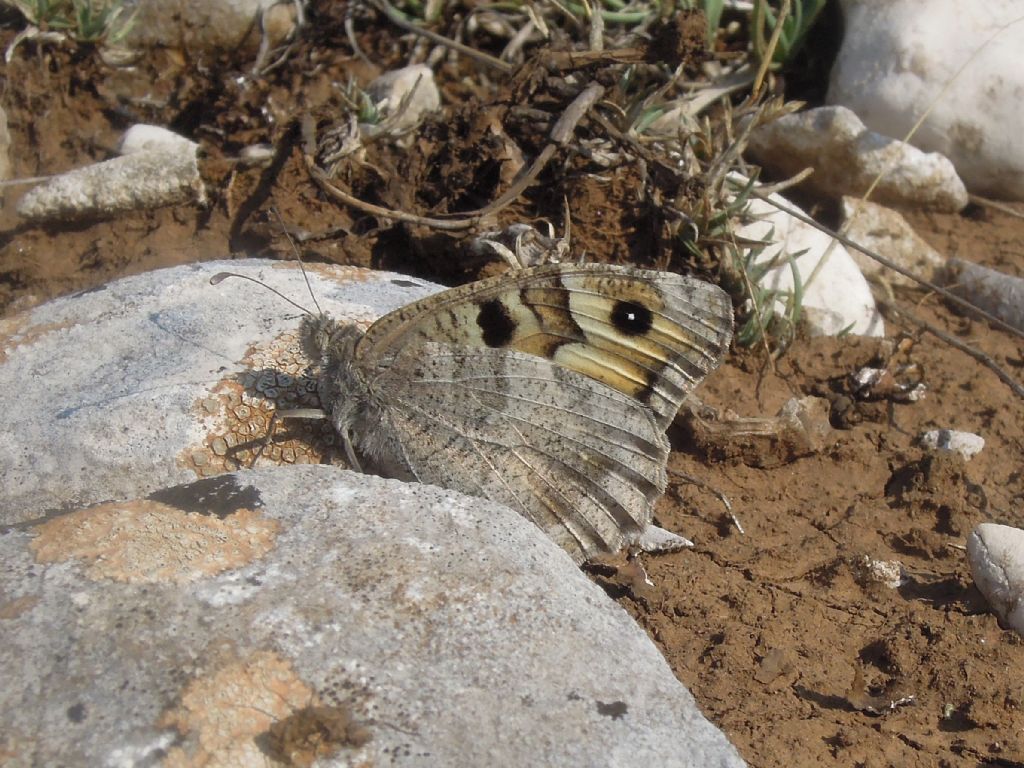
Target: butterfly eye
(631,318)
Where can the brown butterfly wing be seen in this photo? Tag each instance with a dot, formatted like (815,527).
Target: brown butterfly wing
(581,460)
(651,335)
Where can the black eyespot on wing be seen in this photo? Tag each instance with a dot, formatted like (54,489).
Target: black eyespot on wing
(497,326)
(631,318)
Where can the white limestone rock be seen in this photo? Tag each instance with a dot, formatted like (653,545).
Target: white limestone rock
(888,234)
(847,158)
(133,182)
(901,59)
(838,299)
(402,623)
(967,444)
(153,138)
(996,555)
(869,571)
(402,97)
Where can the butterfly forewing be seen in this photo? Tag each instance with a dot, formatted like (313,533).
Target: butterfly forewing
(579,459)
(650,335)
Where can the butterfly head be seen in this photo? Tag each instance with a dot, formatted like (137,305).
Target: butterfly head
(323,337)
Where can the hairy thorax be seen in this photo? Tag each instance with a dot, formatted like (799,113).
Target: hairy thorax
(348,396)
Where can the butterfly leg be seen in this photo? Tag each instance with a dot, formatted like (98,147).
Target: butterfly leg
(318,413)
(293,413)
(350,453)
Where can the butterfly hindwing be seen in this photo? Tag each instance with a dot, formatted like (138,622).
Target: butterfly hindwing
(581,460)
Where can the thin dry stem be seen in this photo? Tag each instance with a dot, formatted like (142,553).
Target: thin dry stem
(561,134)
(996,205)
(801,216)
(773,43)
(396,18)
(967,349)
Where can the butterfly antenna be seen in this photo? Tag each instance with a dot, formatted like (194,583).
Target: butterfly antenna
(221,276)
(298,258)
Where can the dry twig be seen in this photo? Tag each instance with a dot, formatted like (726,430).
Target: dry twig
(561,134)
(398,19)
(967,349)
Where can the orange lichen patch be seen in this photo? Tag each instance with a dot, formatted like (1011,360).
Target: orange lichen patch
(143,541)
(313,732)
(16,331)
(227,710)
(338,273)
(237,414)
(12,609)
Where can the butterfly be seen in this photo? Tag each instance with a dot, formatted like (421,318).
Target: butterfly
(546,389)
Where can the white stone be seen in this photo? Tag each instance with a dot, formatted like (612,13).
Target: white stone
(847,158)
(902,58)
(256,154)
(888,573)
(403,97)
(838,299)
(888,234)
(426,625)
(657,540)
(153,138)
(996,292)
(967,444)
(996,555)
(134,182)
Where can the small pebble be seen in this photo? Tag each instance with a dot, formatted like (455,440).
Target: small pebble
(655,539)
(967,444)
(888,573)
(153,138)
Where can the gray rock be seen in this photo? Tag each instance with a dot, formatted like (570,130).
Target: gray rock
(233,620)
(967,444)
(137,181)
(154,138)
(996,555)
(995,292)
(847,158)
(161,378)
